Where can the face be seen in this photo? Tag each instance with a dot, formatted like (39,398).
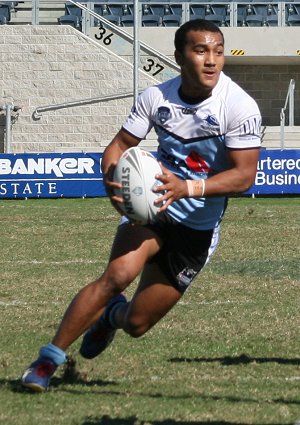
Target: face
(201,62)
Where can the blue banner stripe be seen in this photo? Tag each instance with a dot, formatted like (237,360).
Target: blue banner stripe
(74,175)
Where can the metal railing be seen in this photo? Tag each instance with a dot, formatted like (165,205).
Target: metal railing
(126,37)
(37,113)
(9,109)
(289,101)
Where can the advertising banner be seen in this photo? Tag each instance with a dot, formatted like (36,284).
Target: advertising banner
(278,172)
(51,175)
(73,175)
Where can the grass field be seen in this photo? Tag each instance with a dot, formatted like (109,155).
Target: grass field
(229,353)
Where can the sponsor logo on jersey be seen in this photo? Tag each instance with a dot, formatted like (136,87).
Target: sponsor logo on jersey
(189,111)
(163,114)
(197,163)
(185,277)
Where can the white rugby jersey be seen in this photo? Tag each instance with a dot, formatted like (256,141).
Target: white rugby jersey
(193,138)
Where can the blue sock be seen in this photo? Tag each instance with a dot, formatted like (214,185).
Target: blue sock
(53,353)
(109,316)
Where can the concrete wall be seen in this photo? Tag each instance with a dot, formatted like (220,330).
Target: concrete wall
(42,65)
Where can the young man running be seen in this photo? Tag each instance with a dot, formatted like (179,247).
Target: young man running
(208,132)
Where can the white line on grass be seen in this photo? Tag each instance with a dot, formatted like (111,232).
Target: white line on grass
(216,302)
(16,303)
(79,261)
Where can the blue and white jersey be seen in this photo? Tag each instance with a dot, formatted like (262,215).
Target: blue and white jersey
(193,138)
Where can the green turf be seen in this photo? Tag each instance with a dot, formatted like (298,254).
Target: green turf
(228,353)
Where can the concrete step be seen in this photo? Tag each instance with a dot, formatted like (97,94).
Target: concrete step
(271,137)
(48,13)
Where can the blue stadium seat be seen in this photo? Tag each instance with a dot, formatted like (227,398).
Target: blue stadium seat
(114,19)
(110,9)
(272,20)
(255,20)
(127,21)
(243,10)
(151,20)
(128,9)
(72,9)
(73,16)
(115,9)
(108,12)
(69,20)
(156,8)
(4,13)
(290,9)
(171,20)
(216,19)
(241,21)
(11,4)
(293,20)
(174,9)
(197,11)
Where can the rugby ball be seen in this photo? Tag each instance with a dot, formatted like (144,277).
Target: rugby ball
(136,170)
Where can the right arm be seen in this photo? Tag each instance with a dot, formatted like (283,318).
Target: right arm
(120,143)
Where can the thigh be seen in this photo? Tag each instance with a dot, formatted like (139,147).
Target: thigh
(133,246)
(153,299)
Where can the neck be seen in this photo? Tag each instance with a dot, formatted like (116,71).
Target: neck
(192,100)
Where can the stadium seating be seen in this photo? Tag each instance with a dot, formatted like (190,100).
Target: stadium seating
(293,20)
(293,14)
(5,13)
(73,16)
(69,20)
(171,20)
(271,20)
(158,13)
(255,20)
(127,21)
(151,20)
(197,11)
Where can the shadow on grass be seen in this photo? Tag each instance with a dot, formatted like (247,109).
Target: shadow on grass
(106,420)
(16,386)
(98,384)
(236,360)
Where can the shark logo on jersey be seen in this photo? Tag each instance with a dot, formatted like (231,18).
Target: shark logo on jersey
(163,114)
(189,111)
(212,120)
(197,163)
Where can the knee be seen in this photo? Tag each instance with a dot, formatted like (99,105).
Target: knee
(116,280)
(135,327)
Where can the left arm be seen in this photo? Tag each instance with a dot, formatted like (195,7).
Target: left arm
(237,179)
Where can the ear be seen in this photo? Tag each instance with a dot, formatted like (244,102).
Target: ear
(178,57)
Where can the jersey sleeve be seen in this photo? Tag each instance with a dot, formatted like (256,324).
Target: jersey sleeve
(244,131)
(139,121)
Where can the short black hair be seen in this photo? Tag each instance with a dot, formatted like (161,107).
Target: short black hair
(193,25)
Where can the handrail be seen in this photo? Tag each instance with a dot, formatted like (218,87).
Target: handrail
(289,100)
(8,108)
(37,113)
(126,36)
